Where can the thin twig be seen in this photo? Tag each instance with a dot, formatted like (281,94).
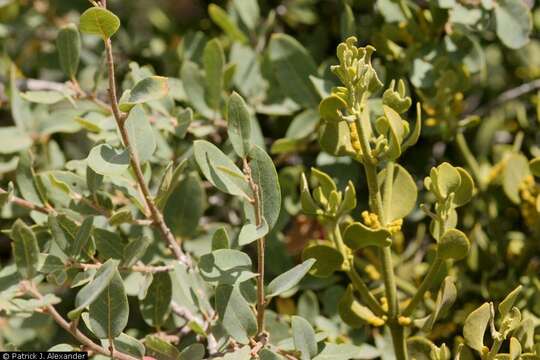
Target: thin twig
(135,164)
(261,300)
(149,269)
(51,211)
(508,95)
(184,313)
(28,204)
(76,333)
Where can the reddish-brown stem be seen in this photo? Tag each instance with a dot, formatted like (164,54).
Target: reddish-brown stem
(256,202)
(28,204)
(120,118)
(135,268)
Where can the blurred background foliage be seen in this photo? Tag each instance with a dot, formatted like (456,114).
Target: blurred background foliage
(473,65)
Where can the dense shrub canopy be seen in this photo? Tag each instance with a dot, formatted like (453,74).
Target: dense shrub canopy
(300,179)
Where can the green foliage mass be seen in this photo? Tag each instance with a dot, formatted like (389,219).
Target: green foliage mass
(256,179)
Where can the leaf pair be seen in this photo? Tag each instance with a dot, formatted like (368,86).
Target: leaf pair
(446,180)
(326,199)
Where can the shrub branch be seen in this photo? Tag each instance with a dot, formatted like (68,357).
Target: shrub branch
(70,328)
(120,118)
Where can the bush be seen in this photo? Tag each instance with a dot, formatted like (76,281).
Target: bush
(264,199)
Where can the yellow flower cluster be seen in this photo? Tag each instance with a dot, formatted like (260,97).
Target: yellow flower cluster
(355,139)
(496,170)
(395,226)
(529,191)
(372,220)
(404,320)
(372,272)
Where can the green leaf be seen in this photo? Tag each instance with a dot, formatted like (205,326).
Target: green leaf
(160,349)
(185,205)
(126,344)
(453,245)
(222,19)
(288,279)
(265,176)
(335,138)
(358,236)
(47,97)
(106,160)
(308,204)
(220,239)
(347,351)
(293,65)
(68,44)
(534,165)
(249,12)
(213,62)
(420,348)
(267,354)
(90,292)
(109,313)
(331,108)
(220,170)
(135,250)
(108,244)
(513,23)
(324,180)
(515,171)
(347,23)
(239,125)
(445,298)
(404,194)
(475,326)
(13,140)
(506,305)
(328,258)
(99,21)
(55,269)
(25,179)
(148,89)
(349,199)
(140,133)
(304,338)
(59,235)
(515,348)
(20,110)
(466,188)
(235,313)
(194,351)
(226,266)
(251,232)
(25,249)
(82,237)
(243,353)
(355,314)
(155,307)
(448,179)
(414,134)
(393,130)
(193,82)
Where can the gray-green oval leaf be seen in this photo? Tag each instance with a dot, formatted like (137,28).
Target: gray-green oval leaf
(109,313)
(68,43)
(25,249)
(288,279)
(99,21)
(239,125)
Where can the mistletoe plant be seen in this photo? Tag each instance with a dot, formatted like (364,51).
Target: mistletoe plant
(375,134)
